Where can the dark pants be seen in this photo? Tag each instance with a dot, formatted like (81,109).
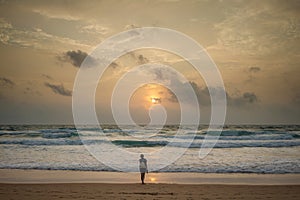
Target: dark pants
(143,177)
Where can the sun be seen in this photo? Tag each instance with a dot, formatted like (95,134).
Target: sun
(155,100)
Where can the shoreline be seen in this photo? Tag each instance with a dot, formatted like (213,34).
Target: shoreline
(18,184)
(31,176)
(103,191)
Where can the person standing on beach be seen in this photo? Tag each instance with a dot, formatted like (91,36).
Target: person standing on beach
(143,167)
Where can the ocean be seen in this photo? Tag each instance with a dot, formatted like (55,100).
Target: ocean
(240,148)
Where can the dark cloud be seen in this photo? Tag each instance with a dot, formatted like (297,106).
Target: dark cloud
(59,89)
(160,73)
(172,97)
(245,98)
(254,69)
(165,74)
(250,97)
(76,58)
(6,82)
(114,65)
(202,94)
(139,58)
(142,59)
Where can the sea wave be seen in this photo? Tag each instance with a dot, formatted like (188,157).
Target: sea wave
(230,137)
(145,143)
(281,170)
(56,133)
(239,148)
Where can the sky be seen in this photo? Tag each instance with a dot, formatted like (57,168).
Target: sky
(255,45)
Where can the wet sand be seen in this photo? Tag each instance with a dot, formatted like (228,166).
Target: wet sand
(149,191)
(44,184)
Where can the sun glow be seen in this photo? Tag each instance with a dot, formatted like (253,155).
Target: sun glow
(155,100)
(152,179)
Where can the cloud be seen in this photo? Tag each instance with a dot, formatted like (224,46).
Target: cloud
(6,82)
(94,29)
(161,73)
(114,65)
(59,89)
(4,38)
(202,94)
(260,28)
(245,98)
(48,14)
(142,59)
(138,58)
(35,38)
(251,74)
(179,85)
(76,57)
(131,26)
(250,97)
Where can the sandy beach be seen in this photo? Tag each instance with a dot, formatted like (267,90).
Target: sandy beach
(149,191)
(49,184)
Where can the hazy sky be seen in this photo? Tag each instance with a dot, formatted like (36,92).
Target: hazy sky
(255,45)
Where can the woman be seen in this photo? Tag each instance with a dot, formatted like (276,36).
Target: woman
(143,168)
